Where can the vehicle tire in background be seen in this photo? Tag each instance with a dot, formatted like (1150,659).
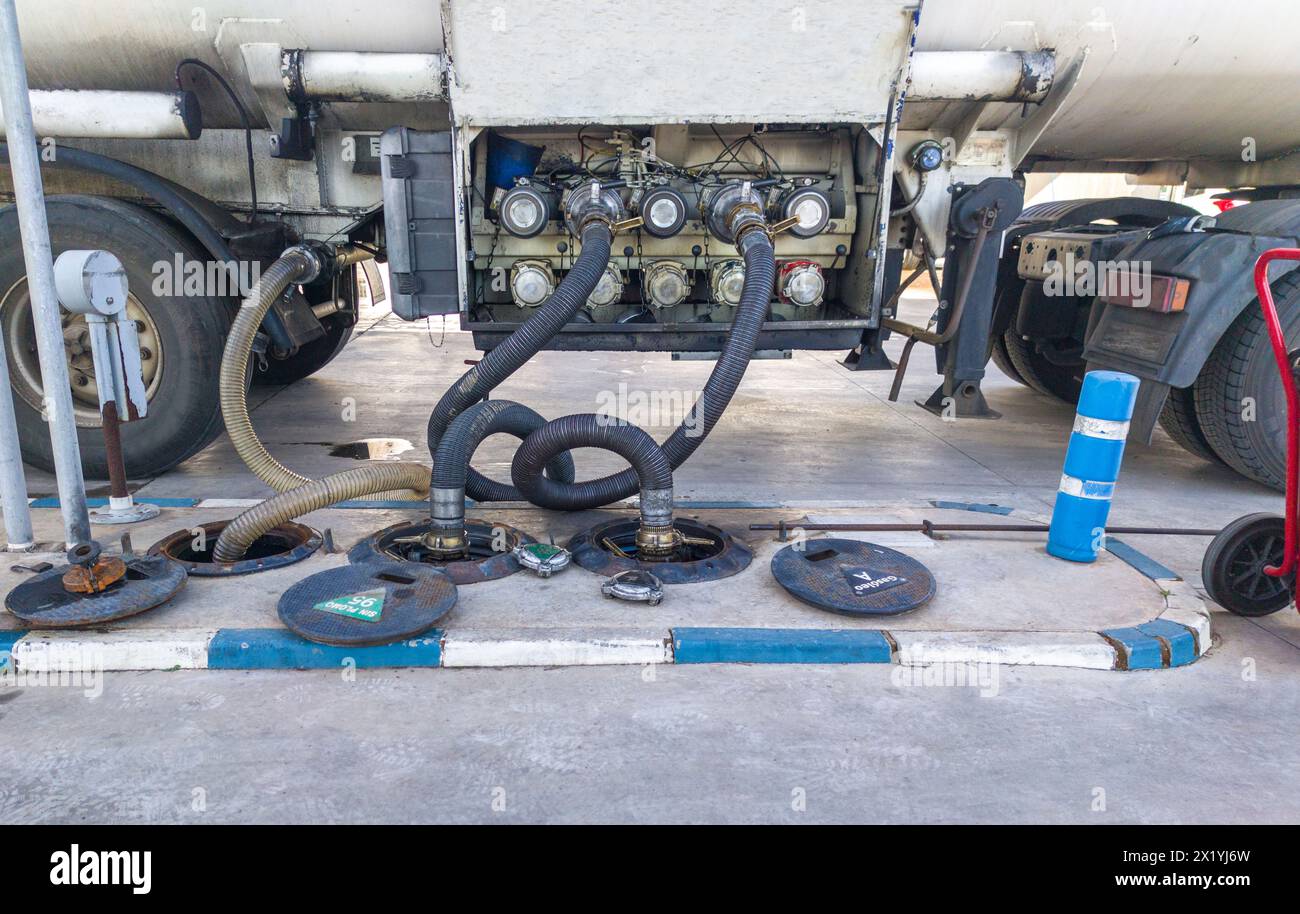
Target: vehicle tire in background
(1178,419)
(1064,383)
(1002,359)
(1240,401)
(181,336)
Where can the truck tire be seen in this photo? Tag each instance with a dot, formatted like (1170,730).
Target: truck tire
(1038,373)
(308,360)
(183,335)
(1002,359)
(1250,438)
(1178,419)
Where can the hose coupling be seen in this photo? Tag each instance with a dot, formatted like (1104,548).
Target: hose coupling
(446,537)
(446,543)
(325,260)
(656,535)
(317,256)
(735,211)
(591,202)
(657,542)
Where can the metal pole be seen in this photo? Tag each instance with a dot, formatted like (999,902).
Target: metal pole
(29,194)
(13,484)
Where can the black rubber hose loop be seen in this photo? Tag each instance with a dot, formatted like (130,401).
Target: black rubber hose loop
(760,277)
(510,355)
(649,463)
(468,430)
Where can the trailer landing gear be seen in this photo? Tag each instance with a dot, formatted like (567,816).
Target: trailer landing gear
(960,337)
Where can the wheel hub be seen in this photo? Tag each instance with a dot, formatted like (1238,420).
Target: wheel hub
(19,333)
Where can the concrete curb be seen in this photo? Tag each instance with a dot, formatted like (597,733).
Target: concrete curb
(1174,639)
(1177,637)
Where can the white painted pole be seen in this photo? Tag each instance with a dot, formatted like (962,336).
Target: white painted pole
(29,195)
(13,483)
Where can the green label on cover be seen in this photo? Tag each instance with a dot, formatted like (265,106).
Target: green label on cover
(367,606)
(543,551)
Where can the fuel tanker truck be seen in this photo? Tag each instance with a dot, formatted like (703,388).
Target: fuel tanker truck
(715,177)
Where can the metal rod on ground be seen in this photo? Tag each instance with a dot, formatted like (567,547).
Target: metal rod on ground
(928,528)
(29,194)
(13,483)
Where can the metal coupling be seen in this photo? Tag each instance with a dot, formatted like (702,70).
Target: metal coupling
(317,256)
(326,260)
(657,507)
(734,212)
(446,542)
(590,202)
(446,537)
(657,541)
(656,536)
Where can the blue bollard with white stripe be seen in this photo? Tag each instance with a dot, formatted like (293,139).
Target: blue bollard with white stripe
(1092,465)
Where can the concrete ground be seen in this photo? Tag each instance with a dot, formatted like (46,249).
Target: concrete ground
(1210,742)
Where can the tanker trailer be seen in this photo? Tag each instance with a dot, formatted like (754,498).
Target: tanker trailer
(461,141)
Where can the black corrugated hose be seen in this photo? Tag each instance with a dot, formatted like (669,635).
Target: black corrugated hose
(517,349)
(760,275)
(466,433)
(650,466)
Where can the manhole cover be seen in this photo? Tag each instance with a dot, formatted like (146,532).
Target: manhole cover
(359,605)
(852,577)
(43,602)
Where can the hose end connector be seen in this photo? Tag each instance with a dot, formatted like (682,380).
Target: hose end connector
(656,535)
(446,537)
(324,260)
(734,212)
(591,202)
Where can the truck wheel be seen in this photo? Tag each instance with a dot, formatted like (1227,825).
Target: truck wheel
(181,339)
(1002,359)
(307,360)
(1179,421)
(1040,374)
(1240,401)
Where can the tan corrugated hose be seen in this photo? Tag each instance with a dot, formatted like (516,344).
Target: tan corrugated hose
(299,494)
(294,265)
(257,521)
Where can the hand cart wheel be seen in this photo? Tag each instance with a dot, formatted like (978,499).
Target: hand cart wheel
(1250,567)
(1233,570)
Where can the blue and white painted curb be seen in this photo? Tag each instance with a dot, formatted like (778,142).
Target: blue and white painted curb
(1177,637)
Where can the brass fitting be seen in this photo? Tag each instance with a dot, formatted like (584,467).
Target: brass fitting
(657,541)
(446,544)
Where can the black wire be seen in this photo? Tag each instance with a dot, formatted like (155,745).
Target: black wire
(243,117)
(769,160)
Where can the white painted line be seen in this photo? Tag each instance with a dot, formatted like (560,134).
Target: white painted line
(131,649)
(1186,608)
(1086,650)
(485,651)
(228,502)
